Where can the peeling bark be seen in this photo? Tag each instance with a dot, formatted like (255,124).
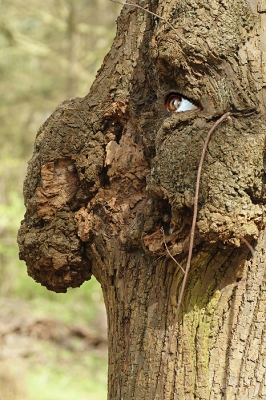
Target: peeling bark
(109,171)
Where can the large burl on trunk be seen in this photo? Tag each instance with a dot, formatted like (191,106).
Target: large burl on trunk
(112,179)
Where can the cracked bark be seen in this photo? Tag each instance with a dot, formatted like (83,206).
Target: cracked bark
(110,170)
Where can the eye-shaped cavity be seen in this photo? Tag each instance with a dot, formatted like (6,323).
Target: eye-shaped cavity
(176,103)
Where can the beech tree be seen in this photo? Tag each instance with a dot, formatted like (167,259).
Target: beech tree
(111,191)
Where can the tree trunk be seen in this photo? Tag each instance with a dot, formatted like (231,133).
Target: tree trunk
(110,192)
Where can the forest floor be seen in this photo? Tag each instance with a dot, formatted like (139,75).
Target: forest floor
(42,356)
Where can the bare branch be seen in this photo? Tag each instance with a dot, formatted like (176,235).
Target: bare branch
(128,3)
(166,247)
(252,251)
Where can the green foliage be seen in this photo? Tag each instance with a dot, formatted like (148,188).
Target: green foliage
(69,373)
(49,51)
(69,379)
(81,305)
(12,171)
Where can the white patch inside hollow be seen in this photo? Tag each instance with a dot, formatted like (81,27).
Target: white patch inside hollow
(186,106)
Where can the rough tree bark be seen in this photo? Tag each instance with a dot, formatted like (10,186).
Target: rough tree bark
(110,170)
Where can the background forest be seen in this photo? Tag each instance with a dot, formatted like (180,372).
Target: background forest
(51,346)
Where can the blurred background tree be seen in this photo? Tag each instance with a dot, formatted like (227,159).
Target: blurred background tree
(49,51)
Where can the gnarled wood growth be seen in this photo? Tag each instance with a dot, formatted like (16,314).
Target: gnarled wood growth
(109,171)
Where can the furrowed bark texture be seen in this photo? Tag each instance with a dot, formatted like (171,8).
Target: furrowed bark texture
(109,171)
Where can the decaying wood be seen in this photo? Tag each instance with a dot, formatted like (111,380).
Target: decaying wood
(113,169)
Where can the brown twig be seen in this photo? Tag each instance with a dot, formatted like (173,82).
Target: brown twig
(251,249)
(224,117)
(128,3)
(166,247)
